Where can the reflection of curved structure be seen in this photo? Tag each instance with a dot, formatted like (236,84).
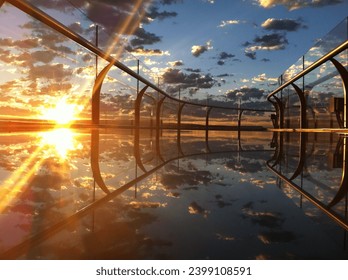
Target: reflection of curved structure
(344,77)
(302,159)
(343,190)
(340,194)
(95,160)
(23,247)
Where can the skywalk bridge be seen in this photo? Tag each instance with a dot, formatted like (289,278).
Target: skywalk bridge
(154,97)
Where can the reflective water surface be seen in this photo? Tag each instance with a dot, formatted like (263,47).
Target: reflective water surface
(124,194)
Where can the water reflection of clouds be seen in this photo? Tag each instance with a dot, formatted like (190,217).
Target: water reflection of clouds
(191,201)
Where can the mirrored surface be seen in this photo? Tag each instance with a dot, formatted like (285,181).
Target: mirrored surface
(128,194)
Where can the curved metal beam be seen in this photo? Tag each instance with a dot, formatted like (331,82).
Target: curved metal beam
(96,94)
(278,105)
(303,106)
(137,104)
(278,154)
(158,128)
(95,161)
(343,190)
(344,76)
(301,162)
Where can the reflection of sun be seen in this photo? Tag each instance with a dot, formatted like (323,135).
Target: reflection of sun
(61,140)
(62,113)
(52,143)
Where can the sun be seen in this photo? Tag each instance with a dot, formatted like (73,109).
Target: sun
(63,113)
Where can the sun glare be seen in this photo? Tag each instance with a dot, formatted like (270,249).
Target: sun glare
(63,113)
(60,140)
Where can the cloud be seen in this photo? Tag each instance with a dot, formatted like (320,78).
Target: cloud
(262,78)
(268,42)
(55,72)
(155,14)
(141,51)
(224,56)
(297,4)
(246,93)
(198,50)
(144,38)
(170,2)
(282,24)
(176,63)
(225,23)
(251,55)
(176,79)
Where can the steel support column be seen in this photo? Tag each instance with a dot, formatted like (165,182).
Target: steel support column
(344,76)
(303,106)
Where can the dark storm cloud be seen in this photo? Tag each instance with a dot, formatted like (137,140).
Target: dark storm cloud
(282,24)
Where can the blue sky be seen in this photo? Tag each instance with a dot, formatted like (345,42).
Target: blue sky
(247,41)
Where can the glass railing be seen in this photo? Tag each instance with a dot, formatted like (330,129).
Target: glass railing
(320,85)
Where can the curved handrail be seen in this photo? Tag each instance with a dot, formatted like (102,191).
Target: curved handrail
(310,68)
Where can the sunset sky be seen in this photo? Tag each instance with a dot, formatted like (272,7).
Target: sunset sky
(213,48)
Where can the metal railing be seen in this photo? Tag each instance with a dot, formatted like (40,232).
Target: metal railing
(310,85)
(113,62)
